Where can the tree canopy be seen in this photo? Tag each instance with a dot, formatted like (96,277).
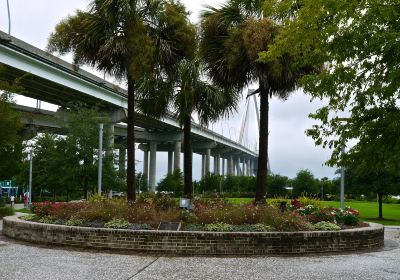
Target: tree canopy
(130,40)
(234,36)
(357,42)
(11,144)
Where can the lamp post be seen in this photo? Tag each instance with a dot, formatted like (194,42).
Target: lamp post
(9,18)
(101,125)
(30,178)
(342,183)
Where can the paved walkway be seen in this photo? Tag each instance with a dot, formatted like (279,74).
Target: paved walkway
(21,261)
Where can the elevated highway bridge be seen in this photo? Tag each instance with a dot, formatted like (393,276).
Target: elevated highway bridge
(48,78)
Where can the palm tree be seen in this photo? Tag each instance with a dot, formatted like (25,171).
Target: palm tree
(128,39)
(233,36)
(187,94)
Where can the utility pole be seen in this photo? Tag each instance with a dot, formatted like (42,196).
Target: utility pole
(342,183)
(9,18)
(100,157)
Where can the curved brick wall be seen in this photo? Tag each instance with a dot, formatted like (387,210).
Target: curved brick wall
(197,243)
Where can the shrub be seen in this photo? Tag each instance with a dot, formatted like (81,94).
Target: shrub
(104,210)
(307,210)
(118,223)
(65,211)
(276,202)
(252,228)
(172,183)
(349,216)
(220,227)
(285,221)
(188,217)
(323,215)
(316,203)
(165,202)
(326,226)
(28,217)
(41,208)
(231,214)
(209,202)
(75,221)
(6,211)
(210,183)
(46,220)
(194,227)
(95,198)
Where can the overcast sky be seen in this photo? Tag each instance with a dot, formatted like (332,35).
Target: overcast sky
(290,149)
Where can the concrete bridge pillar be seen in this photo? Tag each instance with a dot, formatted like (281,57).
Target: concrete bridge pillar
(237,163)
(110,142)
(223,166)
(153,166)
(231,166)
(244,170)
(146,162)
(208,157)
(218,165)
(249,167)
(170,160)
(203,166)
(177,155)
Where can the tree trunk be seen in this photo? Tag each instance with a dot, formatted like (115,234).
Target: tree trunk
(261,186)
(380,196)
(187,157)
(85,186)
(131,184)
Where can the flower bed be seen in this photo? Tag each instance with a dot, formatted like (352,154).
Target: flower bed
(208,215)
(197,242)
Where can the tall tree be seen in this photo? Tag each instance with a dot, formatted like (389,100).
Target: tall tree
(304,183)
(233,37)
(10,126)
(358,43)
(127,39)
(187,94)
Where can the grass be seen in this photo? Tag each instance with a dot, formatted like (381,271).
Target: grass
(368,210)
(24,210)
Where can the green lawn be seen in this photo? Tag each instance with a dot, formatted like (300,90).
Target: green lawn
(24,210)
(368,210)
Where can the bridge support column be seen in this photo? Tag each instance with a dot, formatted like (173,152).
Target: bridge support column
(231,167)
(170,160)
(238,166)
(153,166)
(110,142)
(219,165)
(249,167)
(223,166)
(146,162)
(216,165)
(203,166)
(177,155)
(244,170)
(208,156)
